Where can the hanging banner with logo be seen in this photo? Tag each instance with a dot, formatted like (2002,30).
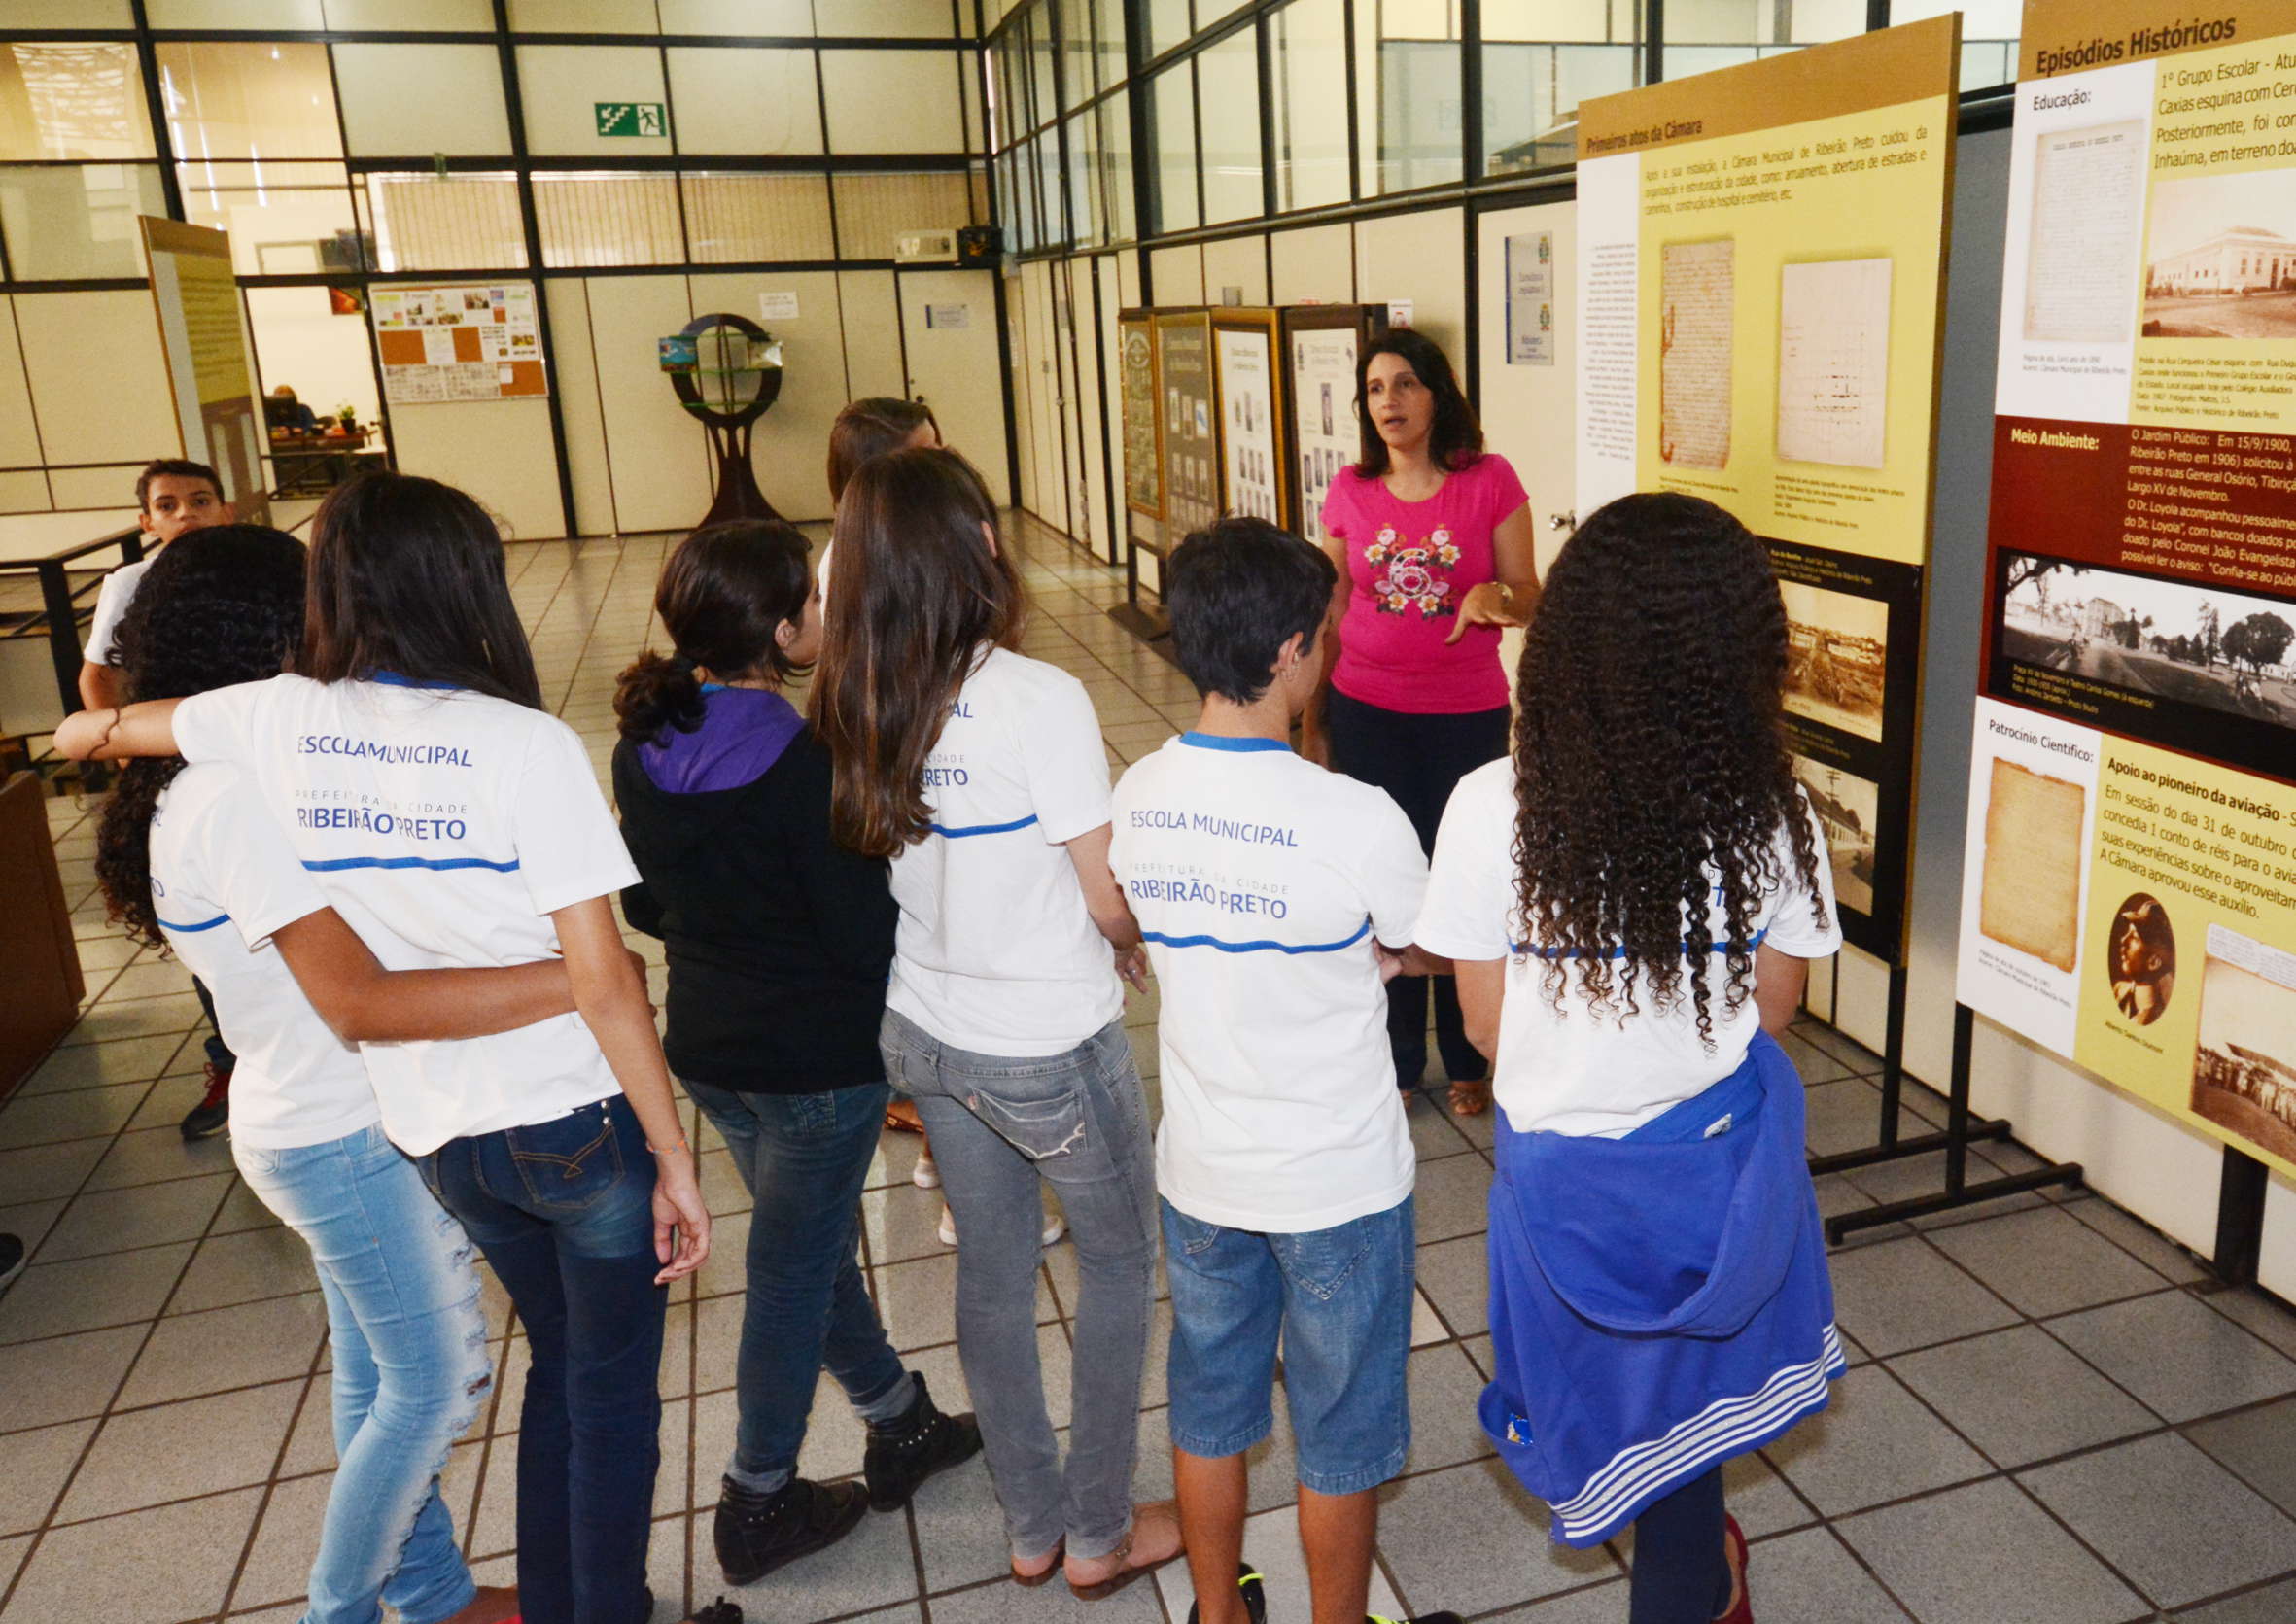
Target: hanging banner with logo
(1761,273)
(2130,894)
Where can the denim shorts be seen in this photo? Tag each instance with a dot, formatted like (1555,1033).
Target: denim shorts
(1339,1303)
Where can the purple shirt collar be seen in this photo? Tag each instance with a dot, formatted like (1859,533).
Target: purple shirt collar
(744,731)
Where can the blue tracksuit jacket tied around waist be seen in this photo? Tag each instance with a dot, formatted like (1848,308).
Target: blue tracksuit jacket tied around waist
(1660,1303)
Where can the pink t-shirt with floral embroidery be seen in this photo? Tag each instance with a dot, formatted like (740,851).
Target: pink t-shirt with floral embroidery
(1409,564)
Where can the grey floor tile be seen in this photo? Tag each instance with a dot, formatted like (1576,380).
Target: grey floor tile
(243,1267)
(2021,1397)
(1002,1601)
(96,1065)
(1419,1524)
(155,1567)
(2261,1315)
(1762,1501)
(1875,1443)
(1903,1294)
(50,1172)
(1843,1115)
(1814,1064)
(176,1451)
(1924,1175)
(80,1114)
(2177,1524)
(53,1299)
(38,1463)
(142,1018)
(2045,1262)
(30,1221)
(961,1528)
(1433,1134)
(1597,1604)
(2273,1603)
(2149,1245)
(64,1378)
(1456,1275)
(2260,1446)
(902,1223)
(114,1219)
(1444,1385)
(1986,1554)
(170,1100)
(1451,1198)
(150,1155)
(2177,1355)
(1809,1578)
(242,1209)
(190,1353)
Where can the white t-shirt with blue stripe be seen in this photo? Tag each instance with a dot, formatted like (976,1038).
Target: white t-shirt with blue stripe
(995,951)
(446,827)
(1260,881)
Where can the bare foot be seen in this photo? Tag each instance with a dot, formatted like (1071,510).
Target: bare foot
(1471,1099)
(492,1604)
(1035,1573)
(1154,1541)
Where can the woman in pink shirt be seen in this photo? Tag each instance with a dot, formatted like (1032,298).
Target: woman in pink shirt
(1432,536)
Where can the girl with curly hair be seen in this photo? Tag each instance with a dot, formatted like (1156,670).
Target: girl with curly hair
(1632,902)
(192,860)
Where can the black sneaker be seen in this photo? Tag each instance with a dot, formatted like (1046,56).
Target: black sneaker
(213,1114)
(1255,1596)
(759,1532)
(12,1260)
(1444,1617)
(907,1450)
(719,1612)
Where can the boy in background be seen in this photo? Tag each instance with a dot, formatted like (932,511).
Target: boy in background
(1264,888)
(173,497)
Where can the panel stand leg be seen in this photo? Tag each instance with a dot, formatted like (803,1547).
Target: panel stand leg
(2239,1219)
(1960,1129)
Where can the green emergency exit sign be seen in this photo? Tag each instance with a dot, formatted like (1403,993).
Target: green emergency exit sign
(633,117)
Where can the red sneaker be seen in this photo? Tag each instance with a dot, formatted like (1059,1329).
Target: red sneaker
(213,1114)
(1734,1553)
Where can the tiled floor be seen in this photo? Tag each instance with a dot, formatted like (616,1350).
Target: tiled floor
(2053,1419)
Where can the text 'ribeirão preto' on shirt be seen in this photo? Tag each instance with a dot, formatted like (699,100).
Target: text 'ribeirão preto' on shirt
(368,820)
(1223,828)
(374,749)
(1203,891)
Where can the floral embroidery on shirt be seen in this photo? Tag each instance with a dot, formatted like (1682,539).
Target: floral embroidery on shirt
(1413,573)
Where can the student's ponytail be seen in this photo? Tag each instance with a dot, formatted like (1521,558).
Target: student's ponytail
(658,693)
(724,592)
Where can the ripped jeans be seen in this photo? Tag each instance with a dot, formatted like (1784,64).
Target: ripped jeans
(1077,1122)
(411,1370)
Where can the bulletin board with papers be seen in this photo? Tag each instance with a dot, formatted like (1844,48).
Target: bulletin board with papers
(459,341)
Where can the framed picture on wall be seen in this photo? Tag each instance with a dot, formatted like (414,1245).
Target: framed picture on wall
(1247,359)
(1140,394)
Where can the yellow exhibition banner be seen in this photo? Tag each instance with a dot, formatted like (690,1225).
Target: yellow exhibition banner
(1762,257)
(2130,896)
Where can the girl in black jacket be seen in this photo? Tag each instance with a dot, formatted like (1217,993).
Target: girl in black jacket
(780,942)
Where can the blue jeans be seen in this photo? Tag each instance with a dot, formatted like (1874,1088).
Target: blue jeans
(411,1370)
(1077,1122)
(804,1158)
(564,1211)
(1340,1302)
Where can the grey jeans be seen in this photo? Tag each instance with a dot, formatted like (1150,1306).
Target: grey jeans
(1078,1121)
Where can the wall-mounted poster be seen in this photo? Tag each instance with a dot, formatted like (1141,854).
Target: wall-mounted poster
(204,339)
(1251,456)
(1321,344)
(1143,423)
(2130,897)
(460,341)
(1530,299)
(1762,281)
(1190,447)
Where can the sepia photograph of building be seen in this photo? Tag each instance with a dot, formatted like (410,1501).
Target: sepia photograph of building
(2244,1070)
(1837,652)
(2220,258)
(1847,808)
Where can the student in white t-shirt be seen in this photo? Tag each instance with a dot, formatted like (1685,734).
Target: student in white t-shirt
(192,862)
(1632,902)
(173,497)
(1277,899)
(981,774)
(454,823)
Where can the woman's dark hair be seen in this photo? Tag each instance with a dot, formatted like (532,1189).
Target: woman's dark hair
(1238,592)
(221,606)
(1652,778)
(919,595)
(871,427)
(1454,441)
(723,592)
(408,577)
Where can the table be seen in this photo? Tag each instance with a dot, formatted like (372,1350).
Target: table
(50,543)
(330,457)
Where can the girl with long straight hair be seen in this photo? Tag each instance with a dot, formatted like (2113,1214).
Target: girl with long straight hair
(980,774)
(454,823)
(1431,537)
(1627,953)
(193,863)
(779,941)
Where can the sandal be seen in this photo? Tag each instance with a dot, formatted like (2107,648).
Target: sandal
(1734,1553)
(1128,1571)
(900,1116)
(1470,1099)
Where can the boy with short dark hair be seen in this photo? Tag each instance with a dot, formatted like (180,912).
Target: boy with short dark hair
(173,494)
(173,497)
(1264,888)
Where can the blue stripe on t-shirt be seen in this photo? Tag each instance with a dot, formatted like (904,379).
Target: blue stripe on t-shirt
(1221,741)
(188,930)
(1361,931)
(981,828)
(1620,953)
(333,865)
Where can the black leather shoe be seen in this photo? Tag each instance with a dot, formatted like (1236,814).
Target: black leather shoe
(759,1532)
(910,1448)
(1255,1596)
